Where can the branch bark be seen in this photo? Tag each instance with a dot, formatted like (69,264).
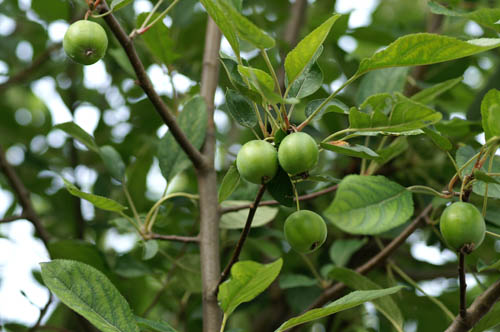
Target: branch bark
(194,155)
(207,186)
(23,196)
(335,291)
(175,238)
(273,202)
(244,234)
(28,71)
(13,218)
(480,307)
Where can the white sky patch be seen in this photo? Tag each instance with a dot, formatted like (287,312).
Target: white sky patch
(361,11)
(182,83)
(162,131)
(473,29)
(57,30)
(121,243)
(348,43)
(21,253)
(44,89)
(24,51)
(15,154)
(431,254)
(222,121)
(472,77)
(7,25)
(337,83)
(226,47)
(141,6)
(156,183)
(87,116)
(96,76)
(161,81)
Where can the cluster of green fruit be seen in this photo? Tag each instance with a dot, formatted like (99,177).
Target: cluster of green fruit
(257,162)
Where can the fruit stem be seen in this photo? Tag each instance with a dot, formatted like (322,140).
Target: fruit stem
(297,200)
(313,270)
(463,284)
(223,326)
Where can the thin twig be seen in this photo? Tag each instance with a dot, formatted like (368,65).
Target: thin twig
(13,218)
(335,291)
(24,197)
(463,285)
(176,238)
(273,202)
(43,311)
(28,71)
(244,234)
(480,307)
(191,151)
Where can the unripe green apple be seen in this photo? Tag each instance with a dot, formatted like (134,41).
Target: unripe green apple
(298,153)
(257,161)
(85,42)
(305,231)
(462,224)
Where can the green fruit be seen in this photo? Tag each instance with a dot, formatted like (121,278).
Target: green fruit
(462,223)
(298,153)
(305,231)
(85,42)
(494,120)
(257,161)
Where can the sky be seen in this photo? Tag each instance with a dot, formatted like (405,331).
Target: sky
(20,253)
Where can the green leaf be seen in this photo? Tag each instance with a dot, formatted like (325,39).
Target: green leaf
(113,162)
(352,150)
(261,82)
(482,176)
(149,250)
(424,49)
(193,121)
(296,280)
(380,102)
(494,266)
(441,142)
(78,250)
(148,324)
(229,183)
(397,147)
(51,10)
(246,29)
(490,104)
(231,67)
(333,105)
(386,80)
(307,83)
(223,22)
(342,250)
(369,205)
(100,202)
(248,279)
(79,134)
(118,4)
(347,302)
(297,60)
(121,58)
(158,39)
(464,153)
(237,219)
(241,109)
(88,292)
(281,188)
(487,17)
(358,282)
(430,94)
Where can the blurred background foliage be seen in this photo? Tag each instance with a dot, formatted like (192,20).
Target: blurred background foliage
(115,110)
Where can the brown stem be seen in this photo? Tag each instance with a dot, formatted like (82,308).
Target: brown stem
(24,198)
(177,238)
(207,186)
(273,202)
(463,285)
(142,77)
(244,234)
(43,311)
(28,71)
(335,291)
(291,34)
(13,218)
(480,307)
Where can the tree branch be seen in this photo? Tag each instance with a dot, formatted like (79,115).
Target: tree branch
(244,234)
(335,291)
(207,186)
(23,196)
(13,218)
(291,34)
(480,307)
(28,71)
(194,155)
(463,285)
(177,238)
(273,202)
(43,311)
